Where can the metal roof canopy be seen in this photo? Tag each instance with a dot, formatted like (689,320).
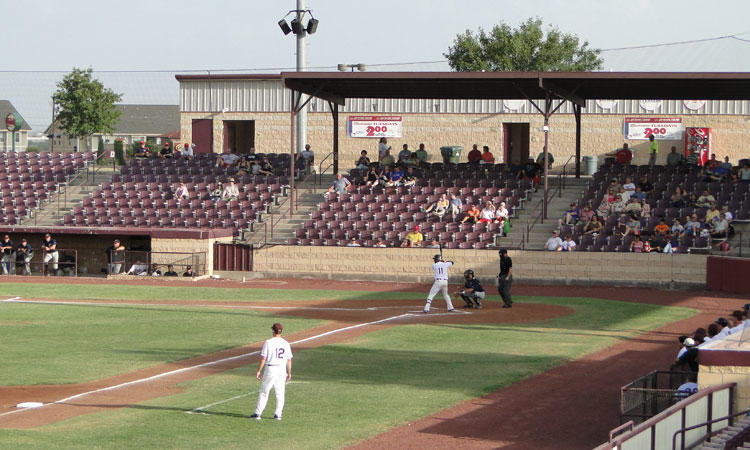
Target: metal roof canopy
(576,87)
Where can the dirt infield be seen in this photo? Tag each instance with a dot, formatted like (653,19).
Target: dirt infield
(542,412)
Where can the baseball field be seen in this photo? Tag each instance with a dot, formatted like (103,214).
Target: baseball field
(154,365)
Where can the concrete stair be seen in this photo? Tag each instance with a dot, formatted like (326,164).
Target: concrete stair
(555,209)
(741,427)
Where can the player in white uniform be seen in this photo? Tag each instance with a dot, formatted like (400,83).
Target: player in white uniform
(441,283)
(276,355)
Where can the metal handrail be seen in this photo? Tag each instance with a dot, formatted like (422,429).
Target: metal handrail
(320,166)
(565,169)
(700,425)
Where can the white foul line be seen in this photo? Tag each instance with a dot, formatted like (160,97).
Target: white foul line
(202,408)
(211,363)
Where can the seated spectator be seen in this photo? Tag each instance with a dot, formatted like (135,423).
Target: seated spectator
(487,157)
(155,271)
(188,272)
(724,329)
(422,153)
(305,157)
(231,192)
(474,155)
(712,163)
(353,243)
(629,186)
(181,191)
(725,211)
(439,208)
(586,214)
(226,159)
(633,226)
(472,214)
(177,150)
(623,155)
(340,186)
(142,151)
(372,178)
(646,186)
(692,201)
(692,226)
(385,176)
(734,178)
(187,151)
(736,322)
(726,164)
(455,204)
(413,239)
(255,167)
(653,245)
(638,194)
(593,227)
(645,209)
(720,228)
(689,358)
(624,194)
(636,246)
(699,336)
(363,162)
(571,215)
(413,160)
(568,244)
(677,227)
(216,193)
(170,271)
(387,160)
(604,210)
(531,171)
(745,172)
(138,268)
(554,244)
(380,244)
(166,151)
(404,155)
(610,196)
(633,207)
(677,199)
(661,227)
(243,166)
(410,177)
(675,159)
(265,167)
(614,185)
(712,214)
(669,243)
(502,213)
(397,176)
(719,173)
(487,215)
(618,206)
(713,331)
(432,244)
(540,159)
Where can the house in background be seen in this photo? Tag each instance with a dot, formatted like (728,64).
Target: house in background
(137,123)
(6,137)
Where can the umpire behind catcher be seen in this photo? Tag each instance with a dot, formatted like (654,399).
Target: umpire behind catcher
(505,278)
(473,292)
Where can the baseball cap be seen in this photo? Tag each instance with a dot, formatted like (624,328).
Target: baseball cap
(23,240)
(167,143)
(746,307)
(416,228)
(689,342)
(186,144)
(721,321)
(277,327)
(143,142)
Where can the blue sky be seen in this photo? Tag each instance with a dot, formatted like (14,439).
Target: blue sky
(118,39)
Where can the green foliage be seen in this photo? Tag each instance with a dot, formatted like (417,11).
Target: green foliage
(84,105)
(100,149)
(33,149)
(119,154)
(524,49)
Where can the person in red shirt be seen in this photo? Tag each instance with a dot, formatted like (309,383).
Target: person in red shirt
(487,157)
(623,156)
(474,155)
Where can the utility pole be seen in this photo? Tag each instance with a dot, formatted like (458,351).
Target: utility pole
(301,67)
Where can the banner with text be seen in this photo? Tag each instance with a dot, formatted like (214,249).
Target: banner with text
(375,126)
(662,128)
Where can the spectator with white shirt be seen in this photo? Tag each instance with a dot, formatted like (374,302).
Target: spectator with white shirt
(554,244)
(182,191)
(138,268)
(227,159)
(187,151)
(230,192)
(723,325)
(569,244)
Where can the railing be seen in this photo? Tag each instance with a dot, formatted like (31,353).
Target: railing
(650,394)
(708,434)
(67,263)
(181,260)
(321,169)
(539,217)
(565,170)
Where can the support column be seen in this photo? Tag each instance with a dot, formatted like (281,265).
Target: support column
(292,153)
(335,112)
(301,67)
(577,114)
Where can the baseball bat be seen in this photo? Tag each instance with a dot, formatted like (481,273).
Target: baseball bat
(441,250)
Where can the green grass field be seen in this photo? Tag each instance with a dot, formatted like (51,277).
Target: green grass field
(340,393)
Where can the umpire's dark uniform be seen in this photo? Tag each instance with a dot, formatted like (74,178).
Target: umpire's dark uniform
(505,278)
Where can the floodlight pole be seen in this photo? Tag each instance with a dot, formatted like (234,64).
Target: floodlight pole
(301,67)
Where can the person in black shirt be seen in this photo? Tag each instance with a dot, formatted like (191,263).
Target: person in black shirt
(505,278)
(166,151)
(646,186)
(473,292)
(170,271)
(188,272)
(7,250)
(24,253)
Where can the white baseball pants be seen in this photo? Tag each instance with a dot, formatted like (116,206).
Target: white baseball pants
(442,287)
(273,377)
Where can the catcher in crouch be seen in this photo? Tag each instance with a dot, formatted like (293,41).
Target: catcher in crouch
(473,292)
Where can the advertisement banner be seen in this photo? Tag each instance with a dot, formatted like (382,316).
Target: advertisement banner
(662,128)
(375,126)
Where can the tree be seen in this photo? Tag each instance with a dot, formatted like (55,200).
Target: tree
(525,49)
(84,105)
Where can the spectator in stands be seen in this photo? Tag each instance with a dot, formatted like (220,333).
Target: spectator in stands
(413,160)
(142,151)
(736,322)
(629,186)
(686,342)
(677,227)
(719,173)
(713,331)
(531,171)
(170,271)
(632,226)
(661,227)
(265,167)
(380,244)
(372,178)
(720,228)
(618,206)
(692,160)
(699,335)
(474,155)
(633,207)
(115,257)
(340,185)
(571,214)
(587,213)
(692,226)
(455,204)
(675,159)
(24,253)
(554,244)
(725,211)
(227,159)
(410,177)
(472,214)
(385,176)
(404,155)
(688,388)
(745,172)
(689,358)
(502,213)
(397,176)
(413,239)
(636,246)
(726,164)
(188,272)
(638,194)
(624,195)
(653,245)
(181,191)
(187,151)
(645,209)
(724,329)
(387,160)
(540,159)
(422,153)
(383,147)
(216,193)
(138,268)
(705,200)
(593,227)
(610,196)
(623,155)
(569,244)
(432,244)
(487,156)
(677,199)
(51,255)
(487,215)
(155,271)
(646,186)
(231,192)
(7,249)
(353,243)
(166,151)
(712,163)
(305,157)
(691,201)
(439,208)
(653,151)
(712,214)
(603,210)
(243,166)
(363,163)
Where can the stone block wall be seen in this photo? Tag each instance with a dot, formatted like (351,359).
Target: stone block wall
(714,375)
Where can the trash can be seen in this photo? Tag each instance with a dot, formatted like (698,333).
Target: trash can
(451,153)
(590,164)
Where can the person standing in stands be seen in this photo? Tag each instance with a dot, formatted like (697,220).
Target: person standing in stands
(653,151)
